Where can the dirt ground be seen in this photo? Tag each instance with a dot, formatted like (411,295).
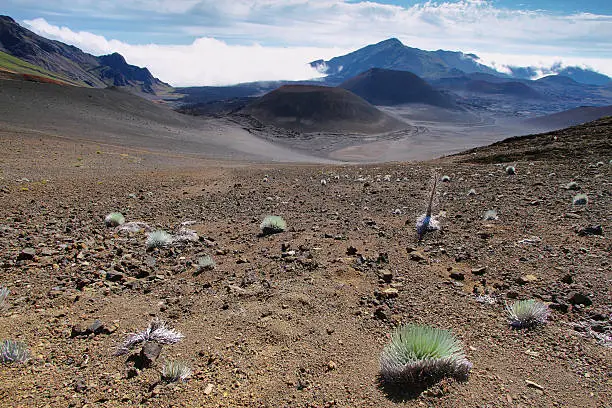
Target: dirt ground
(298,319)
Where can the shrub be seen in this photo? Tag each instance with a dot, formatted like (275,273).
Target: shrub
(273,224)
(490,215)
(206,263)
(174,371)
(157,332)
(510,170)
(418,354)
(527,313)
(158,239)
(445,179)
(4,292)
(580,199)
(114,219)
(12,351)
(427,222)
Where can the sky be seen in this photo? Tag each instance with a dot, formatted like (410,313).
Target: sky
(216,42)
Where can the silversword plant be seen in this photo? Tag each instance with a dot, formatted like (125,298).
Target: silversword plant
(490,215)
(418,354)
(273,224)
(4,292)
(174,371)
(510,170)
(157,332)
(12,351)
(580,199)
(527,313)
(158,239)
(206,263)
(427,222)
(114,219)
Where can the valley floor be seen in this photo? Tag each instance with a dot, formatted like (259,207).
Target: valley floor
(298,329)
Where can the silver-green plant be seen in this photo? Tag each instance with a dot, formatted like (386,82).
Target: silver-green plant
(206,263)
(114,219)
(445,179)
(174,371)
(510,170)
(12,351)
(418,354)
(472,192)
(157,331)
(527,313)
(4,292)
(273,224)
(158,239)
(580,199)
(490,215)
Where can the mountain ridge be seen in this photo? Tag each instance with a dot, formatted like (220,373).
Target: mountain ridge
(74,64)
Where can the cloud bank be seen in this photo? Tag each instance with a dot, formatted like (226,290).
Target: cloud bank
(247,40)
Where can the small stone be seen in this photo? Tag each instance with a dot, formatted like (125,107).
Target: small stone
(457,276)
(390,293)
(351,251)
(114,276)
(479,270)
(534,385)
(417,256)
(149,353)
(567,279)
(386,275)
(523,280)
(331,366)
(26,254)
(590,230)
(578,298)
(208,389)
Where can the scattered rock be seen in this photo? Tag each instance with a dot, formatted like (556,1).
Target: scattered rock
(567,279)
(590,230)
(149,353)
(386,275)
(417,256)
(208,389)
(390,293)
(578,298)
(351,251)
(26,254)
(479,270)
(534,385)
(525,279)
(457,276)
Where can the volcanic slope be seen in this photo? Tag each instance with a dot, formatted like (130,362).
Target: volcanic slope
(306,109)
(388,87)
(116,117)
(570,117)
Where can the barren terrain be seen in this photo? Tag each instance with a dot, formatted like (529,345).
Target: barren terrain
(298,319)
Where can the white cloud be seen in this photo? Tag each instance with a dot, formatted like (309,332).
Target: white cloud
(206,61)
(314,29)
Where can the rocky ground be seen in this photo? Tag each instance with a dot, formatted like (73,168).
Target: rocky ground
(298,319)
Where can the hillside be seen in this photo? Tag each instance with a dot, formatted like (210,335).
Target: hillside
(584,142)
(74,65)
(570,117)
(387,87)
(316,109)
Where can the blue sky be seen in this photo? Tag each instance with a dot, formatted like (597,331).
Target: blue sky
(196,42)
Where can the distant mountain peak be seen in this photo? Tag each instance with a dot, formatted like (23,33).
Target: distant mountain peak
(391,42)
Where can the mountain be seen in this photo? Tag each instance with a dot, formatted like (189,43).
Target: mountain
(388,87)
(570,117)
(577,74)
(489,86)
(307,108)
(392,54)
(74,65)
